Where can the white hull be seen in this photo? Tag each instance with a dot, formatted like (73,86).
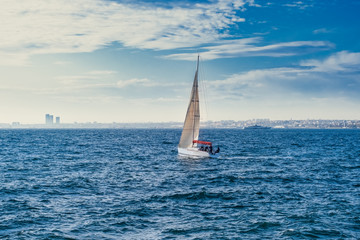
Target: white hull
(192,153)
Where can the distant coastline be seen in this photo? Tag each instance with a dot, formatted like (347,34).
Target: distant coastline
(274,124)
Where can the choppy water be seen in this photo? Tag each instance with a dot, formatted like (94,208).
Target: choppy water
(130,184)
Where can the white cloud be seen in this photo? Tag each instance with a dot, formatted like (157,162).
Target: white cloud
(102,72)
(60,26)
(298,4)
(94,79)
(343,61)
(250,47)
(161,100)
(135,81)
(335,76)
(76,79)
(62,63)
(321,30)
(12,58)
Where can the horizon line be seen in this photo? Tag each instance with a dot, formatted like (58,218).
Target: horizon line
(224,120)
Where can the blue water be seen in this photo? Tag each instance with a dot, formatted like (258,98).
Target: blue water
(130,184)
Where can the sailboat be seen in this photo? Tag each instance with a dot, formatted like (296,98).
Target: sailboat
(190,145)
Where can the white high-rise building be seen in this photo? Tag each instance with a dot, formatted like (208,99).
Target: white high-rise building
(49,119)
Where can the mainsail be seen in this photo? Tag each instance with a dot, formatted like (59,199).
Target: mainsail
(192,120)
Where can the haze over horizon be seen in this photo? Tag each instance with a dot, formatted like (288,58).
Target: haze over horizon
(223,121)
(134,61)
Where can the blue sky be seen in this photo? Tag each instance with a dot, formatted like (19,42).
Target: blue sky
(134,61)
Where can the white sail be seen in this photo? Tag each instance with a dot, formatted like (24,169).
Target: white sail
(192,120)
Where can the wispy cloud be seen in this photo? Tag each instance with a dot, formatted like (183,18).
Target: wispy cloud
(251,47)
(135,81)
(91,78)
(60,26)
(62,63)
(322,30)
(335,76)
(298,4)
(102,72)
(343,62)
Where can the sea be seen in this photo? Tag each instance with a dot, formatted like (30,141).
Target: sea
(131,184)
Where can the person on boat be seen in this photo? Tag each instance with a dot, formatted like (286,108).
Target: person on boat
(211,149)
(206,149)
(217,150)
(202,148)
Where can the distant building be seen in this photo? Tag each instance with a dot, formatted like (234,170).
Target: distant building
(49,119)
(57,120)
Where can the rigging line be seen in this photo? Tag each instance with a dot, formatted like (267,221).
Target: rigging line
(204,91)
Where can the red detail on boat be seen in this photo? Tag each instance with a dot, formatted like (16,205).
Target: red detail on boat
(202,142)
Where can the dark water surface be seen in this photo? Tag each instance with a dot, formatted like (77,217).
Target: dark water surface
(130,184)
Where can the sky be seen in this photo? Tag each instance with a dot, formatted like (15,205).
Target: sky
(134,61)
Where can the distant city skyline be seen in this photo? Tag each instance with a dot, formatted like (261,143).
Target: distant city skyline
(134,61)
(49,120)
(275,124)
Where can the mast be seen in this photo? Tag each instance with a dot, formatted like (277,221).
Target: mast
(197,89)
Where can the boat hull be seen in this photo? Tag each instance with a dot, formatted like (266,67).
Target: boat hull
(193,153)
(256,127)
